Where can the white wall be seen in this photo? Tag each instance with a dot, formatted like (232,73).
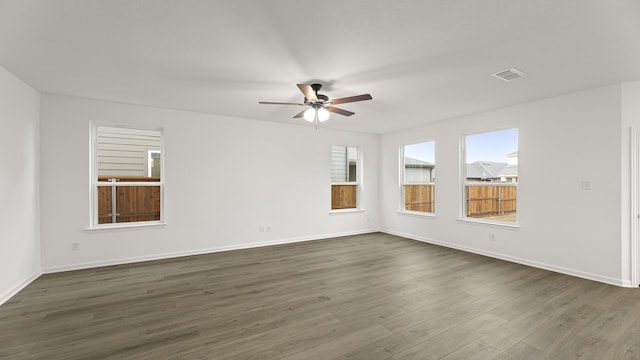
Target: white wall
(246,174)
(562,141)
(19,184)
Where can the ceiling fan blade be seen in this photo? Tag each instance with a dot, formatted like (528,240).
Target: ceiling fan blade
(279,103)
(339,111)
(300,114)
(351,99)
(308,92)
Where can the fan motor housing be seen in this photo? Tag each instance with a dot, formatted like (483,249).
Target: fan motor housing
(316,88)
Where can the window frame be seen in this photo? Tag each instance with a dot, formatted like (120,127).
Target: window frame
(464,183)
(357,183)
(94,184)
(403,182)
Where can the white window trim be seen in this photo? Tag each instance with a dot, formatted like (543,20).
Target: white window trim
(489,222)
(462,216)
(359,181)
(94,184)
(417,213)
(129,225)
(346,211)
(353,183)
(635,207)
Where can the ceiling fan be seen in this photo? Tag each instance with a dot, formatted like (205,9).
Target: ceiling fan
(319,104)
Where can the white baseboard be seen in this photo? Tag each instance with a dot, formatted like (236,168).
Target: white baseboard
(11,292)
(550,267)
(627,283)
(89,265)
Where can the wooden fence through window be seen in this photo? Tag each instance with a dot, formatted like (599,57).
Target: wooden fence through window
(344,196)
(419,197)
(142,203)
(488,200)
(133,203)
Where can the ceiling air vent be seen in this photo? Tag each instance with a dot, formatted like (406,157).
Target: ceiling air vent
(510,74)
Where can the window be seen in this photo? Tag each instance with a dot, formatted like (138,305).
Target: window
(153,160)
(127,180)
(417,177)
(491,176)
(344,177)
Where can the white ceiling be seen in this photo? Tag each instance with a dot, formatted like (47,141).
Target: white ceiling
(422,61)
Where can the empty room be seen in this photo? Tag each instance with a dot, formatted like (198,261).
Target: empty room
(338,180)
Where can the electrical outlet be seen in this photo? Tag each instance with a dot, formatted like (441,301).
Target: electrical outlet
(75,246)
(260,228)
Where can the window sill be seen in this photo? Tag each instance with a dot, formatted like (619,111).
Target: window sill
(126,226)
(417,213)
(489,222)
(345,211)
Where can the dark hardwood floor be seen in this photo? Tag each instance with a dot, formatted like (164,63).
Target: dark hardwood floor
(367,297)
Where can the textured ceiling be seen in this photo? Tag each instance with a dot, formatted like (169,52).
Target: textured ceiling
(422,61)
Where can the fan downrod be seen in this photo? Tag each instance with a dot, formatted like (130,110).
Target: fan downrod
(316,88)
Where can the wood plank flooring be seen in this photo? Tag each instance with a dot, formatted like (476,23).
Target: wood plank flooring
(365,297)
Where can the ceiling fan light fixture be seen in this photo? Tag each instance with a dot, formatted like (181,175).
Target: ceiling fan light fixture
(310,114)
(320,107)
(323,114)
